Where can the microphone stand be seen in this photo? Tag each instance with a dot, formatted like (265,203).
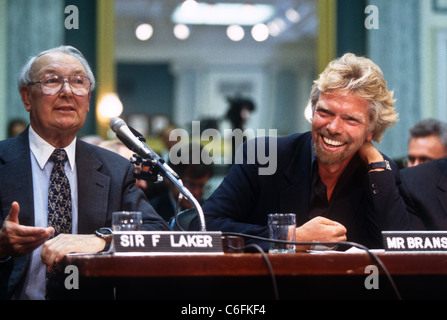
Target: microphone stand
(158,165)
(175,179)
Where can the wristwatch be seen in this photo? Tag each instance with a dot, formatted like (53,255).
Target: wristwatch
(107,235)
(379,165)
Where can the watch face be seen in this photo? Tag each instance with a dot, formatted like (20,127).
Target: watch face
(104,233)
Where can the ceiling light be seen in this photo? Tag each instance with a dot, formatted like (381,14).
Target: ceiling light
(293,16)
(235,32)
(181,31)
(110,106)
(189,5)
(274,27)
(144,31)
(260,32)
(277,26)
(222,13)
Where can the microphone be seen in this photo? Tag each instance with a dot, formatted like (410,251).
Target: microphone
(127,136)
(133,143)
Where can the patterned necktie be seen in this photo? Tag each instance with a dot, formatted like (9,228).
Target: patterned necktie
(59,215)
(59,195)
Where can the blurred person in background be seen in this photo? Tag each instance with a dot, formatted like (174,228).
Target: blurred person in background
(15,127)
(427,142)
(194,175)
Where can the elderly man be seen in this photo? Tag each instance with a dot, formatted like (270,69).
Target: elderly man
(333,178)
(58,193)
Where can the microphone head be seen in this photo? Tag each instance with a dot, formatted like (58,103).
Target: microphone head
(116,123)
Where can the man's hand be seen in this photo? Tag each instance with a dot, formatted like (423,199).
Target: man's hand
(369,153)
(320,229)
(56,249)
(16,239)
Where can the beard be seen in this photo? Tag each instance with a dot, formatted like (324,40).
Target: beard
(330,157)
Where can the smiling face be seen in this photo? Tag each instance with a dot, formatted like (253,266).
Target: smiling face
(339,127)
(56,118)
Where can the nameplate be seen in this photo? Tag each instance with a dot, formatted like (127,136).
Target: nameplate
(167,242)
(415,241)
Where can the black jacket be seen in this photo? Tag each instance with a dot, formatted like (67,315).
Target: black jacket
(365,203)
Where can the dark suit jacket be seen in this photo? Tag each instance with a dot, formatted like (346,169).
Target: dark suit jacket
(164,206)
(424,189)
(105,184)
(364,203)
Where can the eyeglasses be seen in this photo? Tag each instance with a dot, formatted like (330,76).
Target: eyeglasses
(52,84)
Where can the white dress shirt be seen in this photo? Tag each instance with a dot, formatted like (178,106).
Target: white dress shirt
(34,284)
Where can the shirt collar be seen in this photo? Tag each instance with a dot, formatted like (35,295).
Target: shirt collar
(42,150)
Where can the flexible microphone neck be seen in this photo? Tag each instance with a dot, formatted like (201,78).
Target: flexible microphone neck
(133,143)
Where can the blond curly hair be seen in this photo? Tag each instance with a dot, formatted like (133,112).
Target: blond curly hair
(363,78)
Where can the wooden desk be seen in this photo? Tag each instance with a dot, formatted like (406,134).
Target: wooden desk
(247,276)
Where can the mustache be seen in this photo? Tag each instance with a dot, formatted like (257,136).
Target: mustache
(329,135)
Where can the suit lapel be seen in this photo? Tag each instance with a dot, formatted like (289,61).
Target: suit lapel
(16,179)
(17,185)
(93,190)
(294,195)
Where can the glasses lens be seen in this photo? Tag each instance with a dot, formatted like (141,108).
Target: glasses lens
(80,85)
(52,84)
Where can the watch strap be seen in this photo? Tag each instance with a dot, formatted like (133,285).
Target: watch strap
(379,165)
(107,235)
